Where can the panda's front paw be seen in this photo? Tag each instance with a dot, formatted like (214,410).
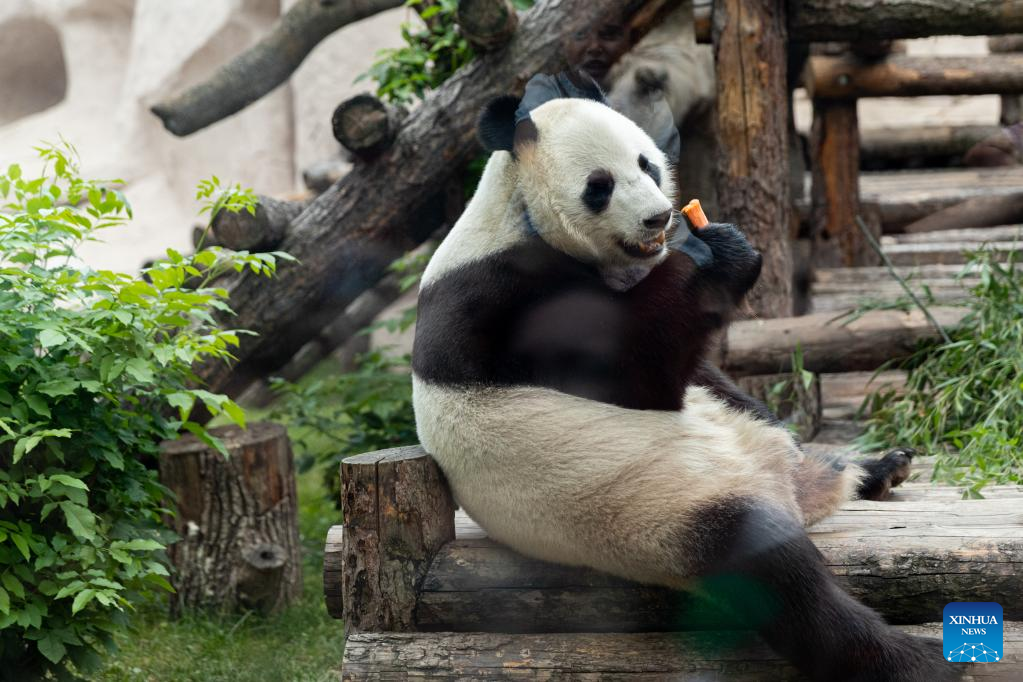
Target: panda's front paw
(735,261)
(885,473)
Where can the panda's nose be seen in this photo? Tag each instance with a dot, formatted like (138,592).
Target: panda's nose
(657,222)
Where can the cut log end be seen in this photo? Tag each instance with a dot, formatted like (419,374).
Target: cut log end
(263,230)
(364,125)
(487,24)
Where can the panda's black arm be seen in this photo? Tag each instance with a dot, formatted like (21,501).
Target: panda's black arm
(717,382)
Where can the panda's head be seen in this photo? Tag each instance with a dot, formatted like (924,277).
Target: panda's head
(595,186)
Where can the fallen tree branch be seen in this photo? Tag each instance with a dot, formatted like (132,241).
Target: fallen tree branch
(265,65)
(350,234)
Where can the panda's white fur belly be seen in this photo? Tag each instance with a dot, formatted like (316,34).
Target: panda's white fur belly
(574,481)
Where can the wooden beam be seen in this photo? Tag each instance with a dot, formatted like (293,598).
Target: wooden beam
(264,66)
(614,657)
(835,159)
(887,145)
(905,76)
(750,48)
(397,512)
(850,20)
(766,346)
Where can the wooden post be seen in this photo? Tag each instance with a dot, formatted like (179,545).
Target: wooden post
(752,105)
(398,511)
(835,144)
(237,519)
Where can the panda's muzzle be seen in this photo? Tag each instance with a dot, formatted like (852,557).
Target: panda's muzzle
(653,246)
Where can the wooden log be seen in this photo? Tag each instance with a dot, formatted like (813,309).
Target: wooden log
(487,24)
(796,403)
(333,568)
(702,10)
(978,212)
(906,76)
(752,116)
(735,656)
(1012,105)
(766,346)
(237,519)
(348,235)
(894,145)
(397,511)
(947,253)
(262,231)
(843,289)
(365,126)
(835,155)
(265,65)
(849,20)
(906,557)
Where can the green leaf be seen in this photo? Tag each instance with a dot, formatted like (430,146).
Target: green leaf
(58,387)
(69,481)
(236,413)
(82,599)
(38,405)
(52,648)
(13,585)
(22,545)
(140,369)
(48,338)
(5,601)
(79,519)
(139,545)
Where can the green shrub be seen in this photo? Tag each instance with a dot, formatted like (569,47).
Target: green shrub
(964,399)
(95,370)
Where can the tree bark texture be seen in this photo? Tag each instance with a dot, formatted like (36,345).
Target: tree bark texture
(736,656)
(265,65)
(907,76)
(849,20)
(487,24)
(766,346)
(835,146)
(365,126)
(350,234)
(237,519)
(906,557)
(262,231)
(750,47)
(397,511)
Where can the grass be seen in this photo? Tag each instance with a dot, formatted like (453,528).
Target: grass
(302,644)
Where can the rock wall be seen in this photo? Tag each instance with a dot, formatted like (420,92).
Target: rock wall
(89,70)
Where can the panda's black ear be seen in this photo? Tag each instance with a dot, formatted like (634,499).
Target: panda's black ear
(496,126)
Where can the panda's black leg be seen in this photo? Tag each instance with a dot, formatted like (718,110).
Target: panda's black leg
(885,473)
(760,569)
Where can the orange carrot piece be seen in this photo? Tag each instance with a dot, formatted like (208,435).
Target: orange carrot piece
(694,212)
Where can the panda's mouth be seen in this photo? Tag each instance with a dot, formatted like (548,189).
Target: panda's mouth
(647,249)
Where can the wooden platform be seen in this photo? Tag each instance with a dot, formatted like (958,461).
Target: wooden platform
(734,656)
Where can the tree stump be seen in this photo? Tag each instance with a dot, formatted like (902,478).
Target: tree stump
(487,24)
(262,231)
(398,512)
(237,520)
(365,126)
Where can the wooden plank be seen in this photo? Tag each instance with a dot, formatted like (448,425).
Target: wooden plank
(906,558)
(734,656)
(887,145)
(766,346)
(913,76)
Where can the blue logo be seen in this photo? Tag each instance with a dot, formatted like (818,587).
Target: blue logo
(972,632)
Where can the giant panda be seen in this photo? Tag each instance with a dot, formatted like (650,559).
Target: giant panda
(560,384)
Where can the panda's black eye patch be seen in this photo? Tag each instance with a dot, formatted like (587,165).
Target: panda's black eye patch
(599,188)
(650,169)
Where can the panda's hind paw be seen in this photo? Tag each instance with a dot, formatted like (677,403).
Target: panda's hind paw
(885,473)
